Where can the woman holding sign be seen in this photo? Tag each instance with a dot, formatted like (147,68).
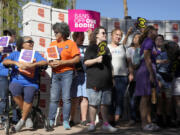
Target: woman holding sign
(4,71)
(62,73)
(24,77)
(99,78)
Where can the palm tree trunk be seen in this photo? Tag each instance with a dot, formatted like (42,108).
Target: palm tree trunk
(1,16)
(125,8)
(73,4)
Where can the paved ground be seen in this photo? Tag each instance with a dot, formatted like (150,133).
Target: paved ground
(78,130)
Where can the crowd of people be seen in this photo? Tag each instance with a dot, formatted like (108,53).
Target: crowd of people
(98,79)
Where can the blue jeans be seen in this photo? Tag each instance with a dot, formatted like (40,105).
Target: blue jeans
(60,81)
(121,83)
(3,93)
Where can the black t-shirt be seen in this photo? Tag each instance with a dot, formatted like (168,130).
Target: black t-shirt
(175,64)
(99,75)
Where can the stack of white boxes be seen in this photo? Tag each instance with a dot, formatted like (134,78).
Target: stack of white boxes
(172,31)
(58,15)
(37,24)
(38,20)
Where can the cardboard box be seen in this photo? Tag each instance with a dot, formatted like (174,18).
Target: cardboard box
(40,43)
(160,25)
(173,36)
(59,15)
(46,75)
(104,23)
(44,103)
(37,28)
(45,86)
(172,26)
(36,12)
(115,23)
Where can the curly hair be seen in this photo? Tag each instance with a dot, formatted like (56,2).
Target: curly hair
(62,28)
(93,38)
(145,33)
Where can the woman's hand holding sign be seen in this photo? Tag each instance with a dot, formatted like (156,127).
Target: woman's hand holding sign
(1,49)
(24,65)
(21,65)
(56,63)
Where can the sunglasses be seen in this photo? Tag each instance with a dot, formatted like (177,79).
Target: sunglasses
(29,41)
(55,32)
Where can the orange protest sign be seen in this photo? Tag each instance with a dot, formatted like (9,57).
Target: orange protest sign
(52,53)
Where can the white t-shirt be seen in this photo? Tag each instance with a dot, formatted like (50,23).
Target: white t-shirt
(130,52)
(119,62)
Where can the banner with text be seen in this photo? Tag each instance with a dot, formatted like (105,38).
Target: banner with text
(26,56)
(4,41)
(83,20)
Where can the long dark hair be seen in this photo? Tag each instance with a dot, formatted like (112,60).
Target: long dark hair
(93,39)
(132,42)
(145,33)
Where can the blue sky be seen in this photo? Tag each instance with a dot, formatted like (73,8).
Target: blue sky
(149,9)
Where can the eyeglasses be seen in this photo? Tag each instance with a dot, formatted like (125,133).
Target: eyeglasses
(104,33)
(29,41)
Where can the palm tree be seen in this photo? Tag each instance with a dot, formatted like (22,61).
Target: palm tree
(125,8)
(73,4)
(2,3)
(10,14)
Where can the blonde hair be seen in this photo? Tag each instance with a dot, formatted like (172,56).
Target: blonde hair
(117,29)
